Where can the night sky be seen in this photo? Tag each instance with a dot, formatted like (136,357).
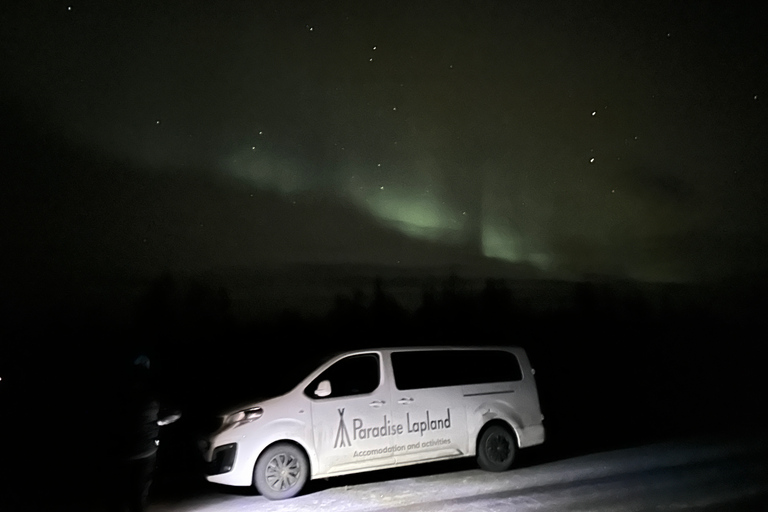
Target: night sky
(566,138)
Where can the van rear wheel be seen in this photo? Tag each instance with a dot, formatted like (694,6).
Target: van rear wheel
(281,471)
(496,449)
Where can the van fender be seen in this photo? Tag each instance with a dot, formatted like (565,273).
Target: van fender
(492,410)
(284,430)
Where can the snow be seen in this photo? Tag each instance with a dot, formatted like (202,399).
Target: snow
(690,474)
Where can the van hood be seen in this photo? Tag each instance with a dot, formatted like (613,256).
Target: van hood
(240,406)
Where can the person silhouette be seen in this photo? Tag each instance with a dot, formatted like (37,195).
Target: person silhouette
(137,436)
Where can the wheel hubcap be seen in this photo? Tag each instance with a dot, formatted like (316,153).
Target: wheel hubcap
(498,448)
(282,472)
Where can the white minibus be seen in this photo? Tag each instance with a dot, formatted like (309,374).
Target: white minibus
(380,408)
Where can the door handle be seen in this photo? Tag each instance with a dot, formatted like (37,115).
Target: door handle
(377,403)
(405,401)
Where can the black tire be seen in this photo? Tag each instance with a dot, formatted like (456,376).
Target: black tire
(281,471)
(496,449)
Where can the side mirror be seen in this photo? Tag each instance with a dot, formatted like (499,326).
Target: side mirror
(323,388)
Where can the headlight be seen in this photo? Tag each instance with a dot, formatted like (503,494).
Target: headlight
(242,417)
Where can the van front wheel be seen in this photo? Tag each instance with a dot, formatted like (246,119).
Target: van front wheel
(281,471)
(496,449)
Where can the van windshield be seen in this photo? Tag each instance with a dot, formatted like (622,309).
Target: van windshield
(287,374)
(270,376)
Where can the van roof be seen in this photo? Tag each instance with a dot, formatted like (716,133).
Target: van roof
(428,347)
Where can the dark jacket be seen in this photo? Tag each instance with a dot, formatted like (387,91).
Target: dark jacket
(137,413)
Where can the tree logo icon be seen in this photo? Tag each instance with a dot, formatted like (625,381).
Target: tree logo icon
(342,436)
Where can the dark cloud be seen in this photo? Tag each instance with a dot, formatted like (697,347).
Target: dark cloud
(664,186)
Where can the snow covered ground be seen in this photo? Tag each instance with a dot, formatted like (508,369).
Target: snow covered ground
(696,473)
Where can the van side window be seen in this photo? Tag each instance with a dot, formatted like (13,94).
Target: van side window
(354,375)
(438,368)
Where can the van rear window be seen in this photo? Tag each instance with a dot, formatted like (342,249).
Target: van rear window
(437,368)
